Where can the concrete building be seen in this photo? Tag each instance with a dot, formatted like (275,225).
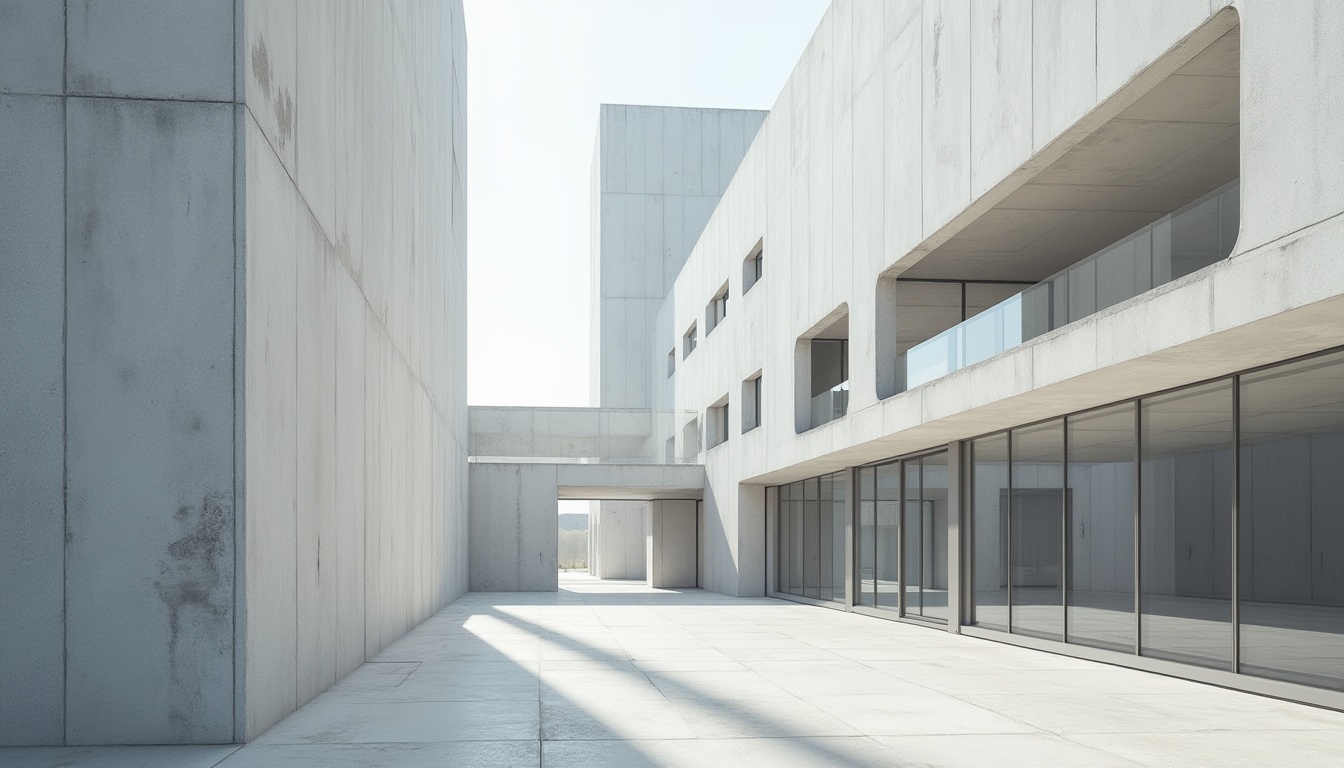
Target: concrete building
(232,294)
(1022,320)
(1019,319)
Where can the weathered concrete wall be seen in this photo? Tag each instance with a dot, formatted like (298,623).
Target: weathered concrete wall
(117,367)
(356,426)
(232,264)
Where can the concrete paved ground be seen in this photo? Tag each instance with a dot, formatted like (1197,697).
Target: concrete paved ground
(615,674)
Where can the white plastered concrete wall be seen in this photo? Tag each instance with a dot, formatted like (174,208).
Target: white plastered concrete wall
(356,422)
(876,145)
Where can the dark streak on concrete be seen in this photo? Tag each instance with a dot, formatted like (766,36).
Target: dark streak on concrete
(193,583)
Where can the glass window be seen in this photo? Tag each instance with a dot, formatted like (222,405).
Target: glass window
(1036,522)
(888,540)
(839,486)
(933,550)
(1291,570)
(865,546)
(989,531)
(1102,478)
(782,531)
(796,539)
(811,551)
(824,533)
(1185,526)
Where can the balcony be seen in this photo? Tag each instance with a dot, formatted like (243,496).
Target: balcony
(831,404)
(1184,241)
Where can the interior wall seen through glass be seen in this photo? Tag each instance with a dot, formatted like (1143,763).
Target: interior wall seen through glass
(888,555)
(1036,520)
(1185,524)
(1102,477)
(989,531)
(1291,569)
(865,546)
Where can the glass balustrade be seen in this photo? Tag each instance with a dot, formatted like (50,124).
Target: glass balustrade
(1182,242)
(831,404)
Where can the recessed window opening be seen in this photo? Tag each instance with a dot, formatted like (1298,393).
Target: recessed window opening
(688,342)
(671,361)
(751,268)
(751,403)
(716,423)
(716,310)
(821,372)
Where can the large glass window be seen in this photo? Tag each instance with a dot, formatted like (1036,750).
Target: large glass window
(1102,447)
(1291,527)
(1036,521)
(888,556)
(926,536)
(782,538)
(839,488)
(1185,526)
(865,546)
(810,544)
(989,529)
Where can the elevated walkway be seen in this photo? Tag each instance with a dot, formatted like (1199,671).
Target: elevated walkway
(523,460)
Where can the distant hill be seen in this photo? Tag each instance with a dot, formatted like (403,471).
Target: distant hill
(573,522)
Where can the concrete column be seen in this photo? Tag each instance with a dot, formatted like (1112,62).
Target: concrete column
(671,544)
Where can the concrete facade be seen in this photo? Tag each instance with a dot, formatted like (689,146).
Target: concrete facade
(233,241)
(920,140)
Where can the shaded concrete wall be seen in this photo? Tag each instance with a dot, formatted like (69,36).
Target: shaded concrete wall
(671,544)
(118,280)
(232,263)
(356,425)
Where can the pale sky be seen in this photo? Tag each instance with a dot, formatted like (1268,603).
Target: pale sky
(538,69)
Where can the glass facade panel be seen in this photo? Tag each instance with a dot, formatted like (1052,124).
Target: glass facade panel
(796,540)
(989,531)
(839,486)
(933,550)
(865,545)
(888,556)
(1036,522)
(913,535)
(782,530)
(1102,477)
(1185,525)
(1291,523)
(825,540)
(811,546)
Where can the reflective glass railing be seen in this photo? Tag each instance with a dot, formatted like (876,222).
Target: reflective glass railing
(1186,240)
(831,404)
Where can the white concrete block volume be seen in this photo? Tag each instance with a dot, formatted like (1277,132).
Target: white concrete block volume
(1021,320)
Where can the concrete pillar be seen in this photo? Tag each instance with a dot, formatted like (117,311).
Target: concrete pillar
(671,544)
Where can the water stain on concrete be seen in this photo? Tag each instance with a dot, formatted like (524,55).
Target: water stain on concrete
(281,101)
(195,585)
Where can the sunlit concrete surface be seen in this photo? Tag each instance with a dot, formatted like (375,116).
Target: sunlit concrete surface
(608,673)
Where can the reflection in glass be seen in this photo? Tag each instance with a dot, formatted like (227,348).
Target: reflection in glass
(888,535)
(811,550)
(825,550)
(914,539)
(782,545)
(865,546)
(1101,528)
(933,597)
(989,531)
(1186,526)
(1292,523)
(839,485)
(1036,519)
(796,539)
